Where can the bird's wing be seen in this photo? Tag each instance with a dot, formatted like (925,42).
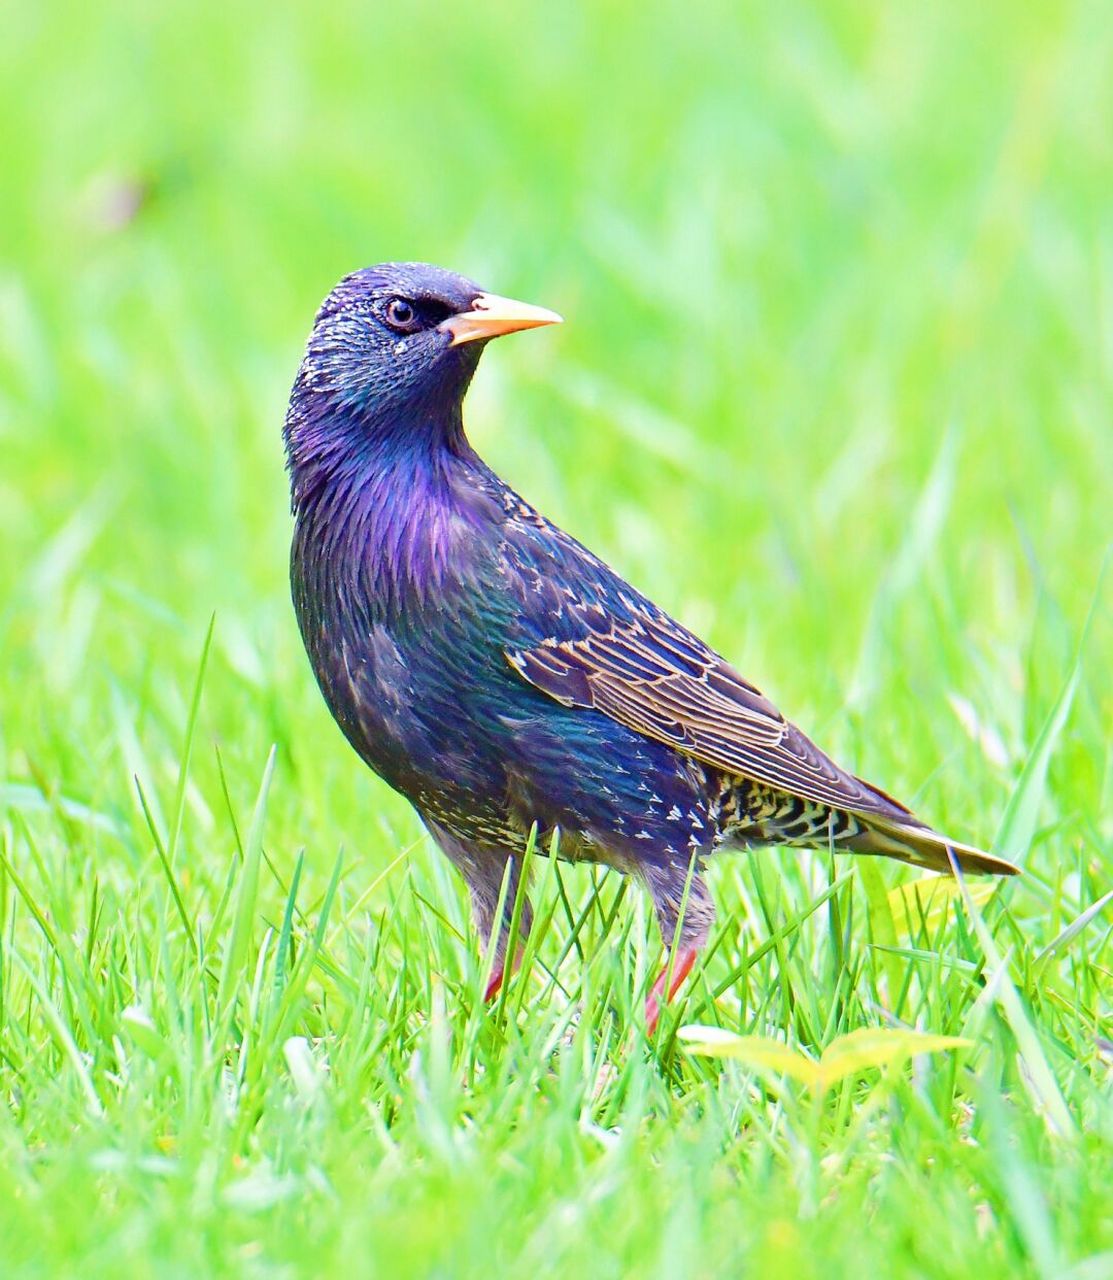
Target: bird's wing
(588,639)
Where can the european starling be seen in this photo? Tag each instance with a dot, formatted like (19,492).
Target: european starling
(499,675)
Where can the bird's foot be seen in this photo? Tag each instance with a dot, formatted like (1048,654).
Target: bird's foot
(681,966)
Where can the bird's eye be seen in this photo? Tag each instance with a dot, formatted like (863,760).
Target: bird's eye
(400,314)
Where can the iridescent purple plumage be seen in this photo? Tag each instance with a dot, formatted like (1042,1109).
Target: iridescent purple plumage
(494,671)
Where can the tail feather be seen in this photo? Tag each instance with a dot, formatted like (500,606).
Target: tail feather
(750,812)
(926,848)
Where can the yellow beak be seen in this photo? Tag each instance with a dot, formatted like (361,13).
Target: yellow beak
(491,316)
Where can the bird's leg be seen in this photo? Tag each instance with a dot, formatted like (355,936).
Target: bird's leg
(675,887)
(680,962)
(483,912)
(484,903)
(498,969)
(484,869)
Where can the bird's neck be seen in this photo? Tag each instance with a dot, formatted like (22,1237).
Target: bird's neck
(386,514)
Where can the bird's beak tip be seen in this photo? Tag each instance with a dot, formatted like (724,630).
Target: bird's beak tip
(490,316)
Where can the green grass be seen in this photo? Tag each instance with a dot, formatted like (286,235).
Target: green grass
(835,388)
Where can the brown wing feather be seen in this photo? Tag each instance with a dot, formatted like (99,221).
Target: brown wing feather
(588,639)
(658,679)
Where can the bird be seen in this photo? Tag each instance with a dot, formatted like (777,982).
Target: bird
(503,678)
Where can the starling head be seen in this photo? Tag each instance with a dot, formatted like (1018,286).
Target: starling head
(400,341)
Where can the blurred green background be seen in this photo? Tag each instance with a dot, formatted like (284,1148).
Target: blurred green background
(834,388)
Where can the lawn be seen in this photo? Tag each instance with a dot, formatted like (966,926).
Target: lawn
(835,388)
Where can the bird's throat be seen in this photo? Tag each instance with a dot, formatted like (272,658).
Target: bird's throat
(383,519)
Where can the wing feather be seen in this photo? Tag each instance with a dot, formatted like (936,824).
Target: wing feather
(595,643)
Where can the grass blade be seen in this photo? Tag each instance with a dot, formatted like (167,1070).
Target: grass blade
(235,955)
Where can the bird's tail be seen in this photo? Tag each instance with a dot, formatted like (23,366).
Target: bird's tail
(926,848)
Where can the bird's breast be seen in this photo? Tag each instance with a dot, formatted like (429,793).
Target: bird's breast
(409,671)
